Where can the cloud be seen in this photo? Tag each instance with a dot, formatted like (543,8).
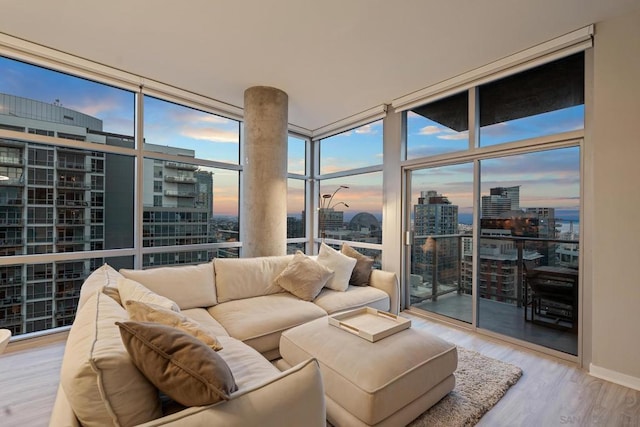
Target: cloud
(454,135)
(429,130)
(187,115)
(95,106)
(366,130)
(211,134)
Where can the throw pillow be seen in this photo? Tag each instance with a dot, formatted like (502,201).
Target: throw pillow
(112,292)
(362,270)
(142,312)
(178,364)
(341,265)
(303,277)
(131,290)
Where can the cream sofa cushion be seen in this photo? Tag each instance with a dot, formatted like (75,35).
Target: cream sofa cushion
(142,312)
(202,316)
(259,321)
(130,290)
(98,279)
(97,374)
(355,297)
(249,367)
(238,278)
(340,264)
(188,285)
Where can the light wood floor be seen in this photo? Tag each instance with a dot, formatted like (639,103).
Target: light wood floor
(551,392)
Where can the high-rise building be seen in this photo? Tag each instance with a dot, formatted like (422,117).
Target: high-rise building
(51,201)
(330,220)
(178,207)
(57,199)
(437,258)
(500,257)
(500,200)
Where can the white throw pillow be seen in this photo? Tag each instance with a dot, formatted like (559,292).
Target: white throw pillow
(131,290)
(341,265)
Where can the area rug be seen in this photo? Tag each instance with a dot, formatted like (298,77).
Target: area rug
(480,383)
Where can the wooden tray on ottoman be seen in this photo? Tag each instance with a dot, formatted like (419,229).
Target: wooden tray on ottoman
(369,323)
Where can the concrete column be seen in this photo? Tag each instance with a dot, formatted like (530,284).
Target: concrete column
(264,184)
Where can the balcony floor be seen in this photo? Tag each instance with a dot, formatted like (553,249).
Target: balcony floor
(505,319)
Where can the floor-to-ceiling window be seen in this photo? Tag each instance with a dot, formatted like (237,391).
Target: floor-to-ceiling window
(493,213)
(349,205)
(297,194)
(71,164)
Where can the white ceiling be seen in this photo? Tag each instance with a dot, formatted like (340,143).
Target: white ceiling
(334,58)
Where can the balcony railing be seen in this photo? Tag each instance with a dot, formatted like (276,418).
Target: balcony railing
(73,185)
(11,161)
(182,166)
(68,165)
(9,242)
(71,203)
(180,179)
(11,222)
(172,193)
(72,239)
(12,182)
(495,281)
(10,320)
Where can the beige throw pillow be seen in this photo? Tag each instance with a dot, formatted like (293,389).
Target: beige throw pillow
(178,364)
(142,312)
(341,265)
(131,290)
(303,277)
(362,270)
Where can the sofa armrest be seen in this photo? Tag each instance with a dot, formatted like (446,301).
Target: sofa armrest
(296,398)
(62,414)
(388,282)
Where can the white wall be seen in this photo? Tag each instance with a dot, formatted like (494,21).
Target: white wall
(615,230)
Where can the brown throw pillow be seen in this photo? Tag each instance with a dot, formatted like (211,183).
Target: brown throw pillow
(112,292)
(303,277)
(362,270)
(143,312)
(178,364)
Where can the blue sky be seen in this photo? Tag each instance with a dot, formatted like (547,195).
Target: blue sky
(547,179)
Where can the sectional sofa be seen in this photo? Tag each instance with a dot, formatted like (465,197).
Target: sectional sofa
(118,366)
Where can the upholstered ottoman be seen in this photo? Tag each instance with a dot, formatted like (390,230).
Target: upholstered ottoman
(389,382)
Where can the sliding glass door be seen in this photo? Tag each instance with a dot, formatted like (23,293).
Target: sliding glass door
(528,247)
(441,225)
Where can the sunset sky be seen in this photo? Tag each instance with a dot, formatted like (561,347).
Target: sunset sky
(547,179)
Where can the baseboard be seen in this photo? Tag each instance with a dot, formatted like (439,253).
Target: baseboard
(614,377)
